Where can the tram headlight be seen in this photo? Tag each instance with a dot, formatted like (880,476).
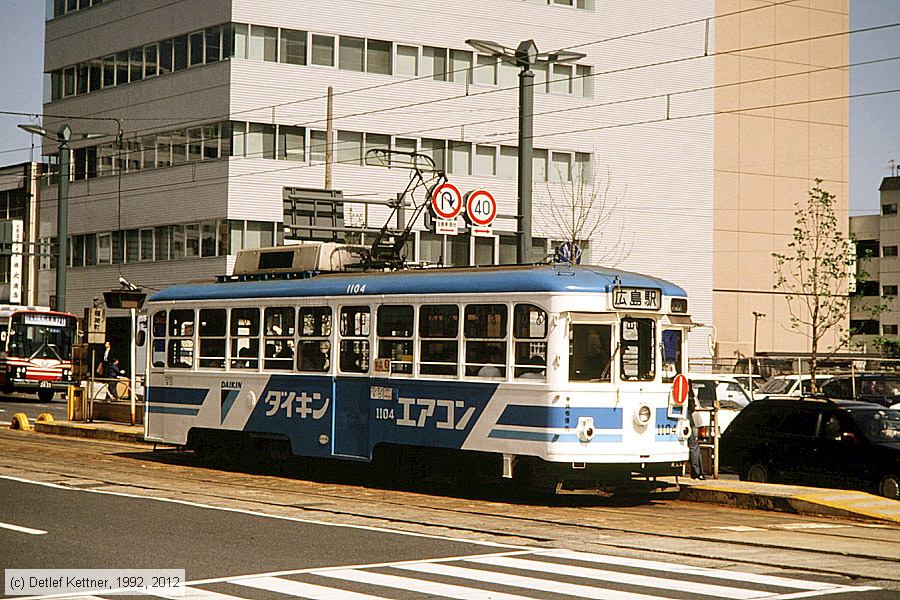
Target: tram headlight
(642,415)
(585,430)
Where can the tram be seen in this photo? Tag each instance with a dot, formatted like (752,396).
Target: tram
(559,370)
(36,347)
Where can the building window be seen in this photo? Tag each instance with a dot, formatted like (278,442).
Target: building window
(378,57)
(434,63)
(889,329)
(293,47)
(406,60)
(351,53)
(485,70)
(889,250)
(889,209)
(889,290)
(866,248)
(460,66)
(485,160)
(864,326)
(322,50)
(867,288)
(349,148)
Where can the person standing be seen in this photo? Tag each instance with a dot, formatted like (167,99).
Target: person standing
(693,441)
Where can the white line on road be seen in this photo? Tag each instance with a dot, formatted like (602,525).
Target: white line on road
(21,529)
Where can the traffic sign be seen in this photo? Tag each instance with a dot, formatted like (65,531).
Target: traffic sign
(446,201)
(481,208)
(680,389)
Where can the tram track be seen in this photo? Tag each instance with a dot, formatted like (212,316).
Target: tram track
(573,523)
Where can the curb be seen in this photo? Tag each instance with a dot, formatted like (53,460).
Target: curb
(844,504)
(90,431)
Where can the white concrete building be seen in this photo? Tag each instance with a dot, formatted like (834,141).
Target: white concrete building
(220,106)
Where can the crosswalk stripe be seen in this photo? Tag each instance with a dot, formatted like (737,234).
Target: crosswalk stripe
(301,590)
(192,593)
(418,585)
(740,528)
(529,583)
(689,570)
(717,591)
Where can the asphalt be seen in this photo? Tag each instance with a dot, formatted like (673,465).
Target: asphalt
(846,504)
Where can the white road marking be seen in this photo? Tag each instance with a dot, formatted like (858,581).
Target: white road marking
(741,528)
(21,529)
(302,590)
(717,591)
(689,570)
(809,526)
(429,587)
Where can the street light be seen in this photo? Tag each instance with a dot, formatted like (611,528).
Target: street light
(62,137)
(62,206)
(524,56)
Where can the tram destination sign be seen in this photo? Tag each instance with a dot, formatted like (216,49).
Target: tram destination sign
(637,298)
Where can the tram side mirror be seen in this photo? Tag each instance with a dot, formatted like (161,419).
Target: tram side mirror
(141,338)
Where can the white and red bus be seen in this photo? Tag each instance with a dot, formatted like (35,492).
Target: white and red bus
(36,350)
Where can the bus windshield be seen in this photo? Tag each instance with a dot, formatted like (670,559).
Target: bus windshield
(41,336)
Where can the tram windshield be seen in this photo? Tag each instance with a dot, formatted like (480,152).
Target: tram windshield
(41,336)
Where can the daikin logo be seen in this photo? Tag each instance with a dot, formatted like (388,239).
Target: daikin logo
(229,393)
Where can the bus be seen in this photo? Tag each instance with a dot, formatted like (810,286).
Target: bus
(550,371)
(36,346)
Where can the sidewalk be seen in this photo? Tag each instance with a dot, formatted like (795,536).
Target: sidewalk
(98,430)
(847,504)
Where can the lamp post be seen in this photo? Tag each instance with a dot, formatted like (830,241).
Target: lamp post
(756,317)
(62,206)
(524,56)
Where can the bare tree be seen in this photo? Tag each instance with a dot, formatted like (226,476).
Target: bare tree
(814,276)
(583,209)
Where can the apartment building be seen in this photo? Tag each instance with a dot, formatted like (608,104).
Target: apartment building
(877,242)
(690,126)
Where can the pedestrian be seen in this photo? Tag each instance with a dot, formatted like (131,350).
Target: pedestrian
(693,442)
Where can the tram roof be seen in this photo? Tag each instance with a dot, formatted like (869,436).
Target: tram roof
(530,278)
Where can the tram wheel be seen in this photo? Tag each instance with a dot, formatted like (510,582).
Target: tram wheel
(45,394)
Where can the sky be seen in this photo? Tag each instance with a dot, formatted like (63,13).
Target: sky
(874,119)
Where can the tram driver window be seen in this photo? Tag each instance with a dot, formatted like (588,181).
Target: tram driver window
(354,348)
(245,338)
(181,339)
(590,352)
(439,347)
(212,338)
(314,349)
(158,331)
(672,356)
(637,345)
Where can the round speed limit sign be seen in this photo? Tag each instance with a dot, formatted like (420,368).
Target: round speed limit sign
(481,208)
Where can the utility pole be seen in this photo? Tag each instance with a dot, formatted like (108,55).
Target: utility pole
(329,132)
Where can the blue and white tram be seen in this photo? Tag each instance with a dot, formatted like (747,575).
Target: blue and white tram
(566,369)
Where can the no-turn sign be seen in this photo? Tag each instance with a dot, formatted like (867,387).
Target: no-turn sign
(680,389)
(446,201)
(481,208)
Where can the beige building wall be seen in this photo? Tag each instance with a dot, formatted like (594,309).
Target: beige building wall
(781,121)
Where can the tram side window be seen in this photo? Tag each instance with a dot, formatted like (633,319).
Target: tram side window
(158,331)
(589,352)
(212,338)
(278,329)
(244,338)
(314,349)
(672,356)
(485,339)
(637,346)
(439,347)
(181,339)
(355,323)
(395,343)
(530,333)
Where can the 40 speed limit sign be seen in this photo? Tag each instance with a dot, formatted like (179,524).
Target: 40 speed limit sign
(481,210)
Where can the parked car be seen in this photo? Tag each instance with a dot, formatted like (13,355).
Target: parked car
(708,387)
(815,441)
(751,384)
(789,385)
(880,388)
